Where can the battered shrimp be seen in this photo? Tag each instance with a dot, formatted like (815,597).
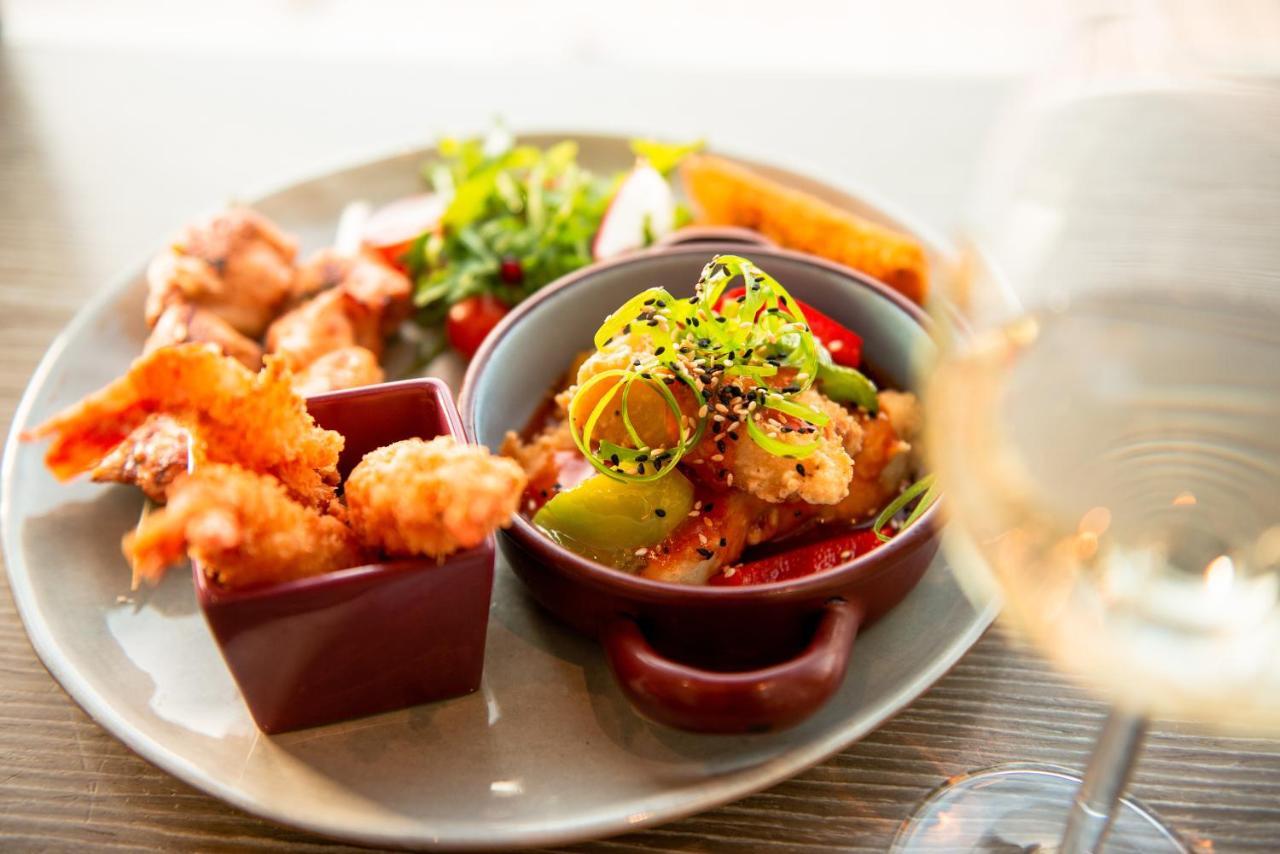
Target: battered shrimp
(150,458)
(346,368)
(431,498)
(233,415)
(190,324)
(237,264)
(243,528)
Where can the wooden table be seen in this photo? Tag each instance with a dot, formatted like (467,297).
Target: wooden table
(102,155)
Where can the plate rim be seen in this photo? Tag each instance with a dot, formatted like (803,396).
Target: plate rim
(704,795)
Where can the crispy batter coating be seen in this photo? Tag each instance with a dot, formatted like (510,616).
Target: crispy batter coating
(348,367)
(237,264)
(431,498)
(150,458)
(885,460)
(243,528)
(820,478)
(182,323)
(233,415)
(725,193)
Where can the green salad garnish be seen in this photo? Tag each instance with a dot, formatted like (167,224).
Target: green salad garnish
(518,218)
(740,365)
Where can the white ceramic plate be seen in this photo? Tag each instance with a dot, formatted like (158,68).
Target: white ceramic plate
(547,752)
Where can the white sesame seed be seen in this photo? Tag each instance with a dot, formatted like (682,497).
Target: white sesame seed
(641,552)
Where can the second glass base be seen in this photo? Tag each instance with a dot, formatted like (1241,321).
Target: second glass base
(1020,809)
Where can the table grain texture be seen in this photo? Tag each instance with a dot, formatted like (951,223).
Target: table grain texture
(102,154)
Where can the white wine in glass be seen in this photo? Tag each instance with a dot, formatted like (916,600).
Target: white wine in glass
(1105,420)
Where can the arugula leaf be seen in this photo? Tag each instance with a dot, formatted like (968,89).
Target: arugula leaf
(519,207)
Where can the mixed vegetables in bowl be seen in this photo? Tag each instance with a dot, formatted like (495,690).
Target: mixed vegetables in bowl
(704,429)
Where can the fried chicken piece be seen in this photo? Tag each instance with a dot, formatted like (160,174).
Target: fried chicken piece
(334,339)
(726,193)
(237,264)
(348,367)
(183,323)
(243,528)
(331,321)
(150,458)
(431,498)
(728,522)
(232,414)
(380,289)
(885,460)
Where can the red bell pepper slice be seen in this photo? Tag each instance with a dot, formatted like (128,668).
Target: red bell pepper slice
(801,561)
(844,345)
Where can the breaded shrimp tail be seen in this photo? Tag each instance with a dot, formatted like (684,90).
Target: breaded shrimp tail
(725,193)
(233,415)
(243,528)
(431,498)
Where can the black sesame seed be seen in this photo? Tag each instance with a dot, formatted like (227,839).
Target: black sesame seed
(723,542)
(659,351)
(640,468)
(706,553)
(733,434)
(626,330)
(708,507)
(720,446)
(649,301)
(660,512)
(642,458)
(614,459)
(800,468)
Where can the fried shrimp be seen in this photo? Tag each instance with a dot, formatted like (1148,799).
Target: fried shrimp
(243,528)
(237,264)
(232,414)
(150,458)
(431,498)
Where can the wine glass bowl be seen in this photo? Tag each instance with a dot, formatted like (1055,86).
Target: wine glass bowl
(1105,415)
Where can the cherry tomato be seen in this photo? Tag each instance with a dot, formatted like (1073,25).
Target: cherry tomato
(801,561)
(844,345)
(470,321)
(393,227)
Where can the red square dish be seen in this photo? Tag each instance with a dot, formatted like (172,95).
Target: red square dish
(371,638)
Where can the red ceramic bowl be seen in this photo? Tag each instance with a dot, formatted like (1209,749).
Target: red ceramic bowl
(708,659)
(368,639)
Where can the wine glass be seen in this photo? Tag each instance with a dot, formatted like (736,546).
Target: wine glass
(1105,418)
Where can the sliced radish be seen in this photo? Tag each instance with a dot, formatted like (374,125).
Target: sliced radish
(393,227)
(644,197)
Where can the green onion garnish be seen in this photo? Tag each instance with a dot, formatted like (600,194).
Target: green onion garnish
(926,489)
(759,351)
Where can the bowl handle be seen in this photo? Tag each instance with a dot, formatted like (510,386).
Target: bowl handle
(713,234)
(770,698)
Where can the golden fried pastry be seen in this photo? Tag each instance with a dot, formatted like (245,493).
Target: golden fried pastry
(725,193)
(431,498)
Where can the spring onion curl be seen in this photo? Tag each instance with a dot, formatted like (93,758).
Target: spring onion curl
(758,349)
(926,489)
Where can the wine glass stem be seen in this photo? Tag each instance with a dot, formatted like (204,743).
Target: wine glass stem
(1105,780)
